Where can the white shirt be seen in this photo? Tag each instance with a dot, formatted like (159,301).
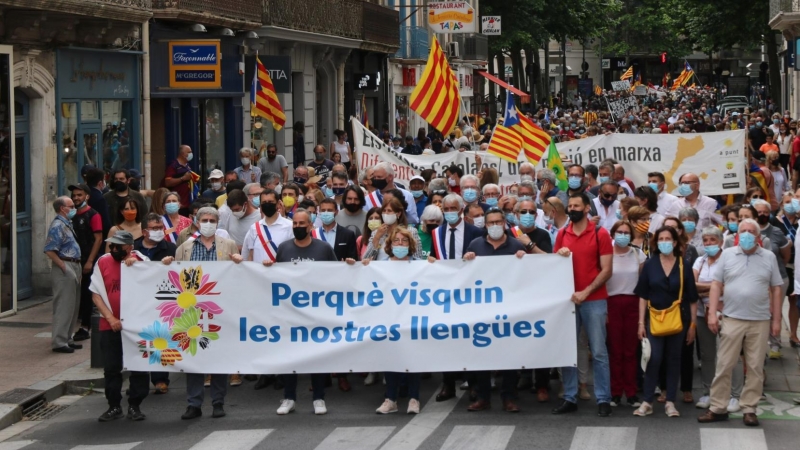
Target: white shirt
(626,272)
(665,201)
(609,218)
(656,220)
(281,231)
(784,143)
(238,228)
(705,271)
(706,208)
(459,237)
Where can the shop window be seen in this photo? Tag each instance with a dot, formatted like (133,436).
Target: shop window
(215,135)
(116,137)
(69,145)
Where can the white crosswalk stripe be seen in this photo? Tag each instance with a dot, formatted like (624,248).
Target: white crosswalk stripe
(15,445)
(355,438)
(238,439)
(127,446)
(423,425)
(732,439)
(478,437)
(604,438)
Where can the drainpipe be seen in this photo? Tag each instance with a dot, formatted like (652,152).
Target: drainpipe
(340,93)
(146,105)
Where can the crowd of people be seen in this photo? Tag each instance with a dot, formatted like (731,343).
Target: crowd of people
(659,280)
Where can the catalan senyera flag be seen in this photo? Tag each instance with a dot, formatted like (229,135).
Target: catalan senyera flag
(534,139)
(505,144)
(757,175)
(436,97)
(263,99)
(628,74)
(364,116)
(589,117)
(554,163)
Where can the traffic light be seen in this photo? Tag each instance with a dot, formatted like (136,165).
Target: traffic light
(664,58)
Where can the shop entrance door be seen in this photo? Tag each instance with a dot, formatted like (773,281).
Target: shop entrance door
(21,188)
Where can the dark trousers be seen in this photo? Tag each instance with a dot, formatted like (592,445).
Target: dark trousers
(395,379)
(317,384)
(623,316)
(111,345)
(541,377)
(86,305)
(449,379)
(159,377)
(666,351)
(508,390)
(687,369)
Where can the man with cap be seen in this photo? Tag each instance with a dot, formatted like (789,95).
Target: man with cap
(411,148)
(65,275)
(135,180)
(396,144)
(217,187)
(106,293)
(417,187)
(88,226)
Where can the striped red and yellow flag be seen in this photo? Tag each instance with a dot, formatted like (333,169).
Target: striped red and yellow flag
(628,74)
(589,117)
(436,97)
(534,139)
(263,99)
(505,144)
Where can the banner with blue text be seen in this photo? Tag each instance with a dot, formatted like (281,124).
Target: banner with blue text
(310,317)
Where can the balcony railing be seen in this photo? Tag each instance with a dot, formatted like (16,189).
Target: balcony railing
(214,12)
(413,43)
(341,18)
(381,24)
(125,10)
(140,4)
(786,6)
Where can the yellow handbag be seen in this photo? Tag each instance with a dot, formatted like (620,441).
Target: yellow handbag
(666,322)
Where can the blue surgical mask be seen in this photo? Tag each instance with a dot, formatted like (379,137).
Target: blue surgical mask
(416,194)
(753,201)
(711,250)
(776,121)
(470,195)
(796,205)
(575,182)
(602,180)
(523,198)
(759,124)
(733,226)
(172,208)
(399,251)
(71,213)
(685,189)
(654,187)
(451,217)
(327,217)
(328,192)
(666,247)
(256,201)
(747,240)
(491,201)
(527,220)
(788,208)
(313,218)
(622,240)
(689,226)
(511,218)
(619,215)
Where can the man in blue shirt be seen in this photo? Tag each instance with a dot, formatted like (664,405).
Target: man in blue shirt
(417,187)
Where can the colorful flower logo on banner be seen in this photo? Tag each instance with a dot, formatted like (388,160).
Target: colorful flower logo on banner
(186,318)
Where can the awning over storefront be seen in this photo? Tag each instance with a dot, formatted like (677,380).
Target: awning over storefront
(525,97)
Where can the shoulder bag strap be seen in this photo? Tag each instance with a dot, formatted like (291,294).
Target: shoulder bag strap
(680,294)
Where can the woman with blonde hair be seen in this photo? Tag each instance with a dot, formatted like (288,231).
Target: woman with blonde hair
(157,205)
(393,215)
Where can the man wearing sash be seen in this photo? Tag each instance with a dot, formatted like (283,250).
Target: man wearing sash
(264,237)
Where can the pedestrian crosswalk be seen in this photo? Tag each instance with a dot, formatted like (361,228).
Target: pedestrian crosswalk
(460,437)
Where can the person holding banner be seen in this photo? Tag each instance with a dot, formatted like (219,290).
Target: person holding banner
(208,247)
(265,236)
(393,215)
(451,239)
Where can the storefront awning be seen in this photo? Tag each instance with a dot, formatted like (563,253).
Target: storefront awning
(503,84)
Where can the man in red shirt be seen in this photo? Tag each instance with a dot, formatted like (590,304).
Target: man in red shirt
(106,292)
(178,176)
(590,247)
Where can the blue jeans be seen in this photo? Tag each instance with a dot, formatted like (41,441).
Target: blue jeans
(592,315)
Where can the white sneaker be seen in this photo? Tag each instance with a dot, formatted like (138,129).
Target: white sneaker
(286,407)
(464,386)
(703,403)
(413,406)
(644,410)
(319,407)
(388,407)
(370,380)
(733,405)
(670,410)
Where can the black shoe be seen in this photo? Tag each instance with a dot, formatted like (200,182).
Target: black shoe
(219,411)
(64,349)
(81,335)
(565,407)
(192,413)
(135,414)
(604,409)
(250,377)
(616,400)
(75,346)
(113,413)
(278,384)
(263,381)
(634,402)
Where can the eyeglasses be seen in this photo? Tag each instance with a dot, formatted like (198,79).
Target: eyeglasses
(527,211)
(400,241)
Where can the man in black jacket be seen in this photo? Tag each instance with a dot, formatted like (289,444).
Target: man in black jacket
(341,239)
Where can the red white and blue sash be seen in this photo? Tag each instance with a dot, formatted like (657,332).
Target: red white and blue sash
(269,246)
(438,243)
(171,237)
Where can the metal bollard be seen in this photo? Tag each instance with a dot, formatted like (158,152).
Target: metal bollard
(97,353)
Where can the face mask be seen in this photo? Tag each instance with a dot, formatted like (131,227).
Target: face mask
(300,233)
(189,156)
(379,184)
(451,182)
(319,156)
(712,250)
(685,190)
(643,227)
(416,194)
(479,222)
(399,251)
(313,218)
(470,195)
(575,182)
(269,209)
(654,187)
(733,226)
(245,161)
(71,213)
(753,201)
(156,236)
(238,214)
(496,231)
(172,208)
(451,217)
(327,217)
(256,201)
(491,201)
(602,180)
(606,201)
(511,218)
(130,216)
(747,240)
(763,219)
(373,224)
(338,191)
(120,186)
(548,220)
(796,205)
(300,180)
(689,226)
(527,220)
(216,186)
(525,178)
(389,219)
(288,202)
(352,207)
(619,215)
(759,124)
(576,216)
(622,240)
(118,253)
(208,229)
(82,205)
(666,248)
(328,192)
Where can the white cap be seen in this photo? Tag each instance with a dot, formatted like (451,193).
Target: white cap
(216,173)
(416,177)
(645,353)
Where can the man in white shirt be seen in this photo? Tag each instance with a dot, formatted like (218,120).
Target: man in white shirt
(263,238)
(665,199)
(705,206)
(244,212)
(606,205)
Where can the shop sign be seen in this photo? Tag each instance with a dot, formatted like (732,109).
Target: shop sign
(195,64)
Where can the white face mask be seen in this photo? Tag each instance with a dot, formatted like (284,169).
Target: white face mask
(496,232)
(300,198)
(216,186)
(479,222)
(389,219)
(238,214)
(157,236)
(208,229)
(245,161)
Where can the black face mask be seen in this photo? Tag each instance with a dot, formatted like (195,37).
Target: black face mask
(135,185)
(319,156)
(119,186)
(606,201)
(763,219)
(576,216)
(299,180)
(352,207)
(429,227)
(269,209)
(379,184)
(300,233)
(118,253)
(338,191)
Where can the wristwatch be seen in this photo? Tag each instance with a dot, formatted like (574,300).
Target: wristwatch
(530,246)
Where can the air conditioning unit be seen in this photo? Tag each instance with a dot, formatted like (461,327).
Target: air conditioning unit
(452,50)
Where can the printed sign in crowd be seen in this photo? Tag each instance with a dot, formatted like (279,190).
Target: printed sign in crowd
(717,158)
(621,107)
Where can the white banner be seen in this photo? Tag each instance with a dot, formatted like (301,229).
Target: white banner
(218,317)
(717,158)
(623,85)
(620,107)
(451,17)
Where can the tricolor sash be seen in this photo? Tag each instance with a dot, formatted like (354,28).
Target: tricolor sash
(171,237)
(194,236)
(269,245)
(374,200)
(438,243)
